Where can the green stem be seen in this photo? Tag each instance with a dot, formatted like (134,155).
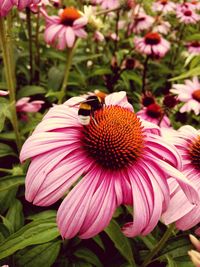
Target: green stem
(145,74)
(103,12)
(7,52)
(5,170)
(70,52)
(159,245)
(37,50)
(29,27)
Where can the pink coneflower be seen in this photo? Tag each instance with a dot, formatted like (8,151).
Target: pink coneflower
(141,22)
(152,44)
(164,6)
(61,31)
(5,7)
(25,105)
(194,47)
(163,27)
(188,93)
(21,4)
(3,93)
(187,141)
(187,15)
(107,4)
(119,160)
(154,114)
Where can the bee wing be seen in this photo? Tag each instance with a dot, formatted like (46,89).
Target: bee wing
(74,101)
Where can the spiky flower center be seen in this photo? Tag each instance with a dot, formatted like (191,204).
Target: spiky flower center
(154,110)
(196,95)
(114,137)
(69,15)
(152,38)
(195,152)
(164,2)
(188,13)
(195,44)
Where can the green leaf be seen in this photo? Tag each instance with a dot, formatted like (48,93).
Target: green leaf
(193,37)
(9,182)
(190,73)
(7,136)
(100,72)
(120,241)
(15,215)
(30,90)
(6,150)
(55,78)
(97,239)
(4,232)
(171,262)
(2,120)
(41,255)
(8,224)
(88,256)
(6,198)
(36,232)
(43,215)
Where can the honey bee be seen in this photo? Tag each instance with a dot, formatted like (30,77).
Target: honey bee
(88,107)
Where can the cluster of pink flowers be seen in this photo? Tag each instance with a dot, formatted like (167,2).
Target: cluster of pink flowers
(121,158)
(7,5)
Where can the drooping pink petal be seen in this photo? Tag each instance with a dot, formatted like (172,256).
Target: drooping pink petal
(101,209)
(74,209)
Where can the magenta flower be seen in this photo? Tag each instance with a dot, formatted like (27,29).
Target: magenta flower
(163,27)
(164,6)
(188,93)
(152,44)
(25,105)
(187,15)
(21,4)
(120,160)
(3,93)
(181,211)
(154,113)
(141,22)
(106,4)
(61,31)
(194,47)
(5,7)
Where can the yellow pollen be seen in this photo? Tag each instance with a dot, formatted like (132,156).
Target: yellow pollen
(114,137)
(69,15)
(194,152)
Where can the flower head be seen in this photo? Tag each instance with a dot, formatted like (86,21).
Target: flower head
(120,160)
(141,22)
(5,7)
(190,94)
(195,254)
(152,44)
(107,4)
(194,47)
(62,30)
(21,4)
(154,114)
(25,105)
(187,15)
(164,6)
(187,141)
